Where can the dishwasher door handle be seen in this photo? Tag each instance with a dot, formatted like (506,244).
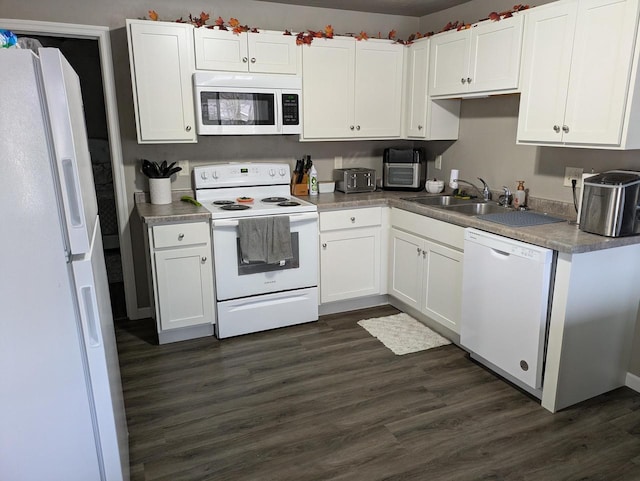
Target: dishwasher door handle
(499,253)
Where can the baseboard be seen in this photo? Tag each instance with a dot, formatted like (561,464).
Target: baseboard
(352,304)
(633,382)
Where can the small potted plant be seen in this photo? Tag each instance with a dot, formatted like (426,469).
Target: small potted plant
(159,180)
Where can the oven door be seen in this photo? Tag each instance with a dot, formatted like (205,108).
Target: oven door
(238,111)
(235,279)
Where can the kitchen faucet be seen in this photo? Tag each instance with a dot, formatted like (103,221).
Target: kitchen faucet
(504,199)
(485,192)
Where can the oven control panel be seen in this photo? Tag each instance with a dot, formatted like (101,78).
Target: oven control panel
(239,174)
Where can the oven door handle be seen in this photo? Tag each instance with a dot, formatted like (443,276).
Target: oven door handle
(293,218)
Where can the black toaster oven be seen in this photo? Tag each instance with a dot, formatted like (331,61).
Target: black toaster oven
(404,169)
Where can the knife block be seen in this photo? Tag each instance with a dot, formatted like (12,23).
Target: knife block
(302,188)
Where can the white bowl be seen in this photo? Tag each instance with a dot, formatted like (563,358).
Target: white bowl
(326,187)
(434,186)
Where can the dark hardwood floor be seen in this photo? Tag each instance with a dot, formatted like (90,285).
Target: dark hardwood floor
(327,401)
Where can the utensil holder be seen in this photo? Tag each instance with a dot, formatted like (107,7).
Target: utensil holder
(160,191)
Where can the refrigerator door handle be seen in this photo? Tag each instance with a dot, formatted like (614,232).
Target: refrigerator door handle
(72,192)
(90,317)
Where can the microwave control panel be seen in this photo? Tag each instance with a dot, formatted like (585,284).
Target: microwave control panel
(290,109)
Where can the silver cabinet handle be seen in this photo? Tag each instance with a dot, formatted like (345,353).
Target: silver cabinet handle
(351,127)
(324,245)
(469,80)
(353,219)
(204,259)
(556,128)
(180,236)
(565,129)
(463,80)
(424,254)
(253,60)
(419,250)
(419,127)
(357,127)
(188,128)
(245,59)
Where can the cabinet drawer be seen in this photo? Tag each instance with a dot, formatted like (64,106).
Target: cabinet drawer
(178,235)
(347,219)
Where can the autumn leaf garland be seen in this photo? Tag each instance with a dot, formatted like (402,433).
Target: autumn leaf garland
(306,37)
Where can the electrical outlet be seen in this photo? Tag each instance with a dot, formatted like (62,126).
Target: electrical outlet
(438,162)
(337,162)
(185,167)
(572,173)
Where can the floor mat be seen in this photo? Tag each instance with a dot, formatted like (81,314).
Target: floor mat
(402,334)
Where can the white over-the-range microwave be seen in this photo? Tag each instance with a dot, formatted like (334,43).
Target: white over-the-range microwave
(232,103)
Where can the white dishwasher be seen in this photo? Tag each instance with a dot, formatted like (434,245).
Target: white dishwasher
(505,303)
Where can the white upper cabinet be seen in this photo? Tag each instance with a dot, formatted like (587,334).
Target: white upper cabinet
(263,52)
(425,118)
(161,62)
(578,62)
(481,60)
(352,89)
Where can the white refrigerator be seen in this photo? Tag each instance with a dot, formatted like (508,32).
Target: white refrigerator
(61,406)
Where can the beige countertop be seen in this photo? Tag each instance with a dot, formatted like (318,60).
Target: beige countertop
(563,237)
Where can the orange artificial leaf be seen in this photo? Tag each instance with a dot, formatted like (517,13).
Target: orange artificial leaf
(318,35)
(494,16)
(362,36)
(328,31)
(204,17)
(411,38)
(219,22)
(419,35)
(507,15)
(233,22)
(153,15)
(392,35)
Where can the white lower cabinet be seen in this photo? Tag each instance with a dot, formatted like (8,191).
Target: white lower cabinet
(182,274)
(425,266)
(352,253)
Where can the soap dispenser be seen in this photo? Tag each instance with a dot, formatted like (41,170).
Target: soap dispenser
(520,195)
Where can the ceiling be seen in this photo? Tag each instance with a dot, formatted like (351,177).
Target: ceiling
(410,8)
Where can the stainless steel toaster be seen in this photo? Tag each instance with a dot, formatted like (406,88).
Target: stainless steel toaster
(610,204)
(355,180)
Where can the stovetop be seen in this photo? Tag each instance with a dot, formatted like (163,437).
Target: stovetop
(247,189)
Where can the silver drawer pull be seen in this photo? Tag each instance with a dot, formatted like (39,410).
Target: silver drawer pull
(353,219)
(469,80)
(324,245)
(463,80)
(245,59)
(253,60)
(180,236)
(204,259)
(556,128)
(419,250)
(565,129)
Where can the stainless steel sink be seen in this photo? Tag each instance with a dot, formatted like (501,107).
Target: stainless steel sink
(437,200)
(477,208)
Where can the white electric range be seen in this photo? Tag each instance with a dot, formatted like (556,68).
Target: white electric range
(258,296)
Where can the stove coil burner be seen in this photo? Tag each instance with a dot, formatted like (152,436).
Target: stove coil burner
(235,207)
(222,202)
(275,199)
(288,203)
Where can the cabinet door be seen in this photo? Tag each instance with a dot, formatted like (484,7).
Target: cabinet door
(449,63)
(221,50)
(328,76)
(443,285)
(600,70)
(378,89)
(272,53)
(416,89)
(406,267)
(494,62)
(545,72)
(184,280)
(349,264)
(161,58)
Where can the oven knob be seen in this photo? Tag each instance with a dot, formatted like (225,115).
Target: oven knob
(203,175)
(272,172)
(282,172)
(214,174)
